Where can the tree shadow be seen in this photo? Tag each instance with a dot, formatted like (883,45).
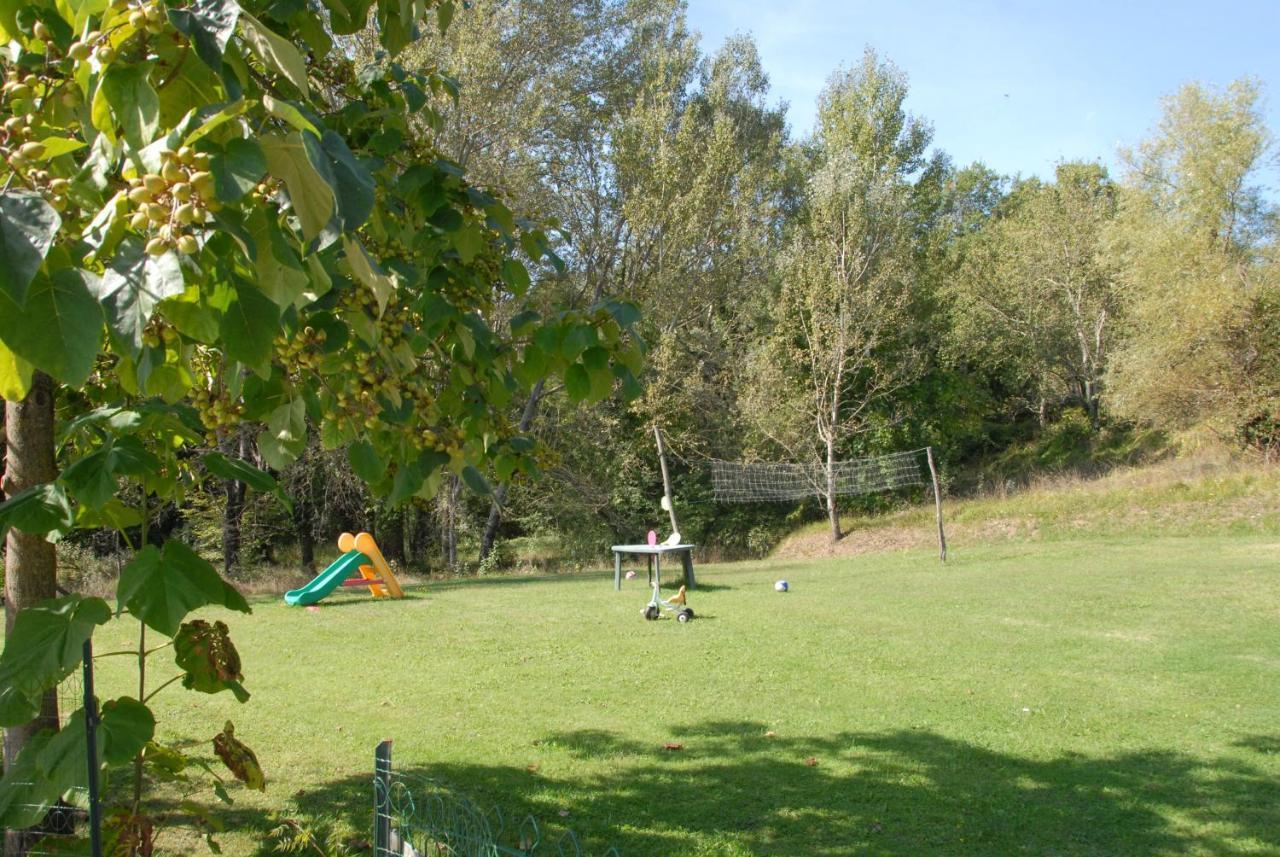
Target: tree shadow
(733,788)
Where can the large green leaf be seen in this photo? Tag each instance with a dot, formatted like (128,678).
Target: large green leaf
(285,436)
(237,169)
(59,329)
(577,383)
(209,24)
(365,462)
(249,327)
(126,727)
(239,470)
(27,227)
(39,509)
(281,275)
(354,186)
(160,587)
(25,796)
(64,761)
(125,93)
(42,649)
(276,52)
(309,192)
(475,480)
(209,659)
(92,479)
(406,482)
(348,16)
(132,285)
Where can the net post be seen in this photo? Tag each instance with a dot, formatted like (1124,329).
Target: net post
(937,503)
(91,751)
(382,799)
(666,478)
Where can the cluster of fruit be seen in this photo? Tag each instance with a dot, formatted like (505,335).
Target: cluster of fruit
(158,332)
(94,44)
(169,203)
(217,410)
(300,352)
(23,152)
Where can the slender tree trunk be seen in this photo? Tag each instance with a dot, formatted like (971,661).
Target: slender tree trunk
(1091,401)
(304,529)
(31,563)
(666,479)
(420,534)
(449,521)
(232,444)
(490,534)
(833,514)
(390,534)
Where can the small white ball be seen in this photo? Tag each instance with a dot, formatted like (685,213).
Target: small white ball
(781,586)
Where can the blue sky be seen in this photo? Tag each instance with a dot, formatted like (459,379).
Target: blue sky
(1018,85)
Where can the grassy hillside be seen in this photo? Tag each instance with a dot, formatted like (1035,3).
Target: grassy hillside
(1205,494)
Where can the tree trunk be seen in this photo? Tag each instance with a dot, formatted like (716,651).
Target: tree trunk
(1091,402)
(449,521)
(666,479)
(303,528)
(833,514)
(420,534)
(232,444)
(31,563)
(390,534)
(490,534)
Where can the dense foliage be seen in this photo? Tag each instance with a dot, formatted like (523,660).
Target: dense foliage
(218,228)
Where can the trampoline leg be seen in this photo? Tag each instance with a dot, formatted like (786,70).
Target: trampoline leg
(617,571)
(687,558)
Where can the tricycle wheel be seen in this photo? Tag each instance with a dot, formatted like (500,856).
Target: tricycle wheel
(684,615)
(651,612)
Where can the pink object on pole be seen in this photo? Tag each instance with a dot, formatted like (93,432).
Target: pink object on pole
(653,538)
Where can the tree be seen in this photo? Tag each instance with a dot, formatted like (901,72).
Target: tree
(836,353)
(1191,243)
(211,231)
(1035,298)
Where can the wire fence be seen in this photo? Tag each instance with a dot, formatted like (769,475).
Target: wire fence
(415,816)
(71,826)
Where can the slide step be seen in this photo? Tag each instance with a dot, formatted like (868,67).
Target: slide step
(362,581)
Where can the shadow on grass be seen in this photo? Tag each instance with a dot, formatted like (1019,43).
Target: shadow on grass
(733,790)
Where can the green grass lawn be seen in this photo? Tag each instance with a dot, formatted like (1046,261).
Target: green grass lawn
(1114,697)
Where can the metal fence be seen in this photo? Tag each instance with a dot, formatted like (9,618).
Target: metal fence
(73,826)
(416,816)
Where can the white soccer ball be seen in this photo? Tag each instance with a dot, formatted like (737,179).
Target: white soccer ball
(781,586)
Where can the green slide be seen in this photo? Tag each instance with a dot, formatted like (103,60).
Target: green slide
(347,565)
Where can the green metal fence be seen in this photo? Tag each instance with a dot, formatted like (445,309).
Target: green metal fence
(416,816)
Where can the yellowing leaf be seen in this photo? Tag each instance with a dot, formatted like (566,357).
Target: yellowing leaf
(311,196)
(362,267)
(15,375)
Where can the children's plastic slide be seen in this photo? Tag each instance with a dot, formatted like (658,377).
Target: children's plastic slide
(359,554)
(327,581)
